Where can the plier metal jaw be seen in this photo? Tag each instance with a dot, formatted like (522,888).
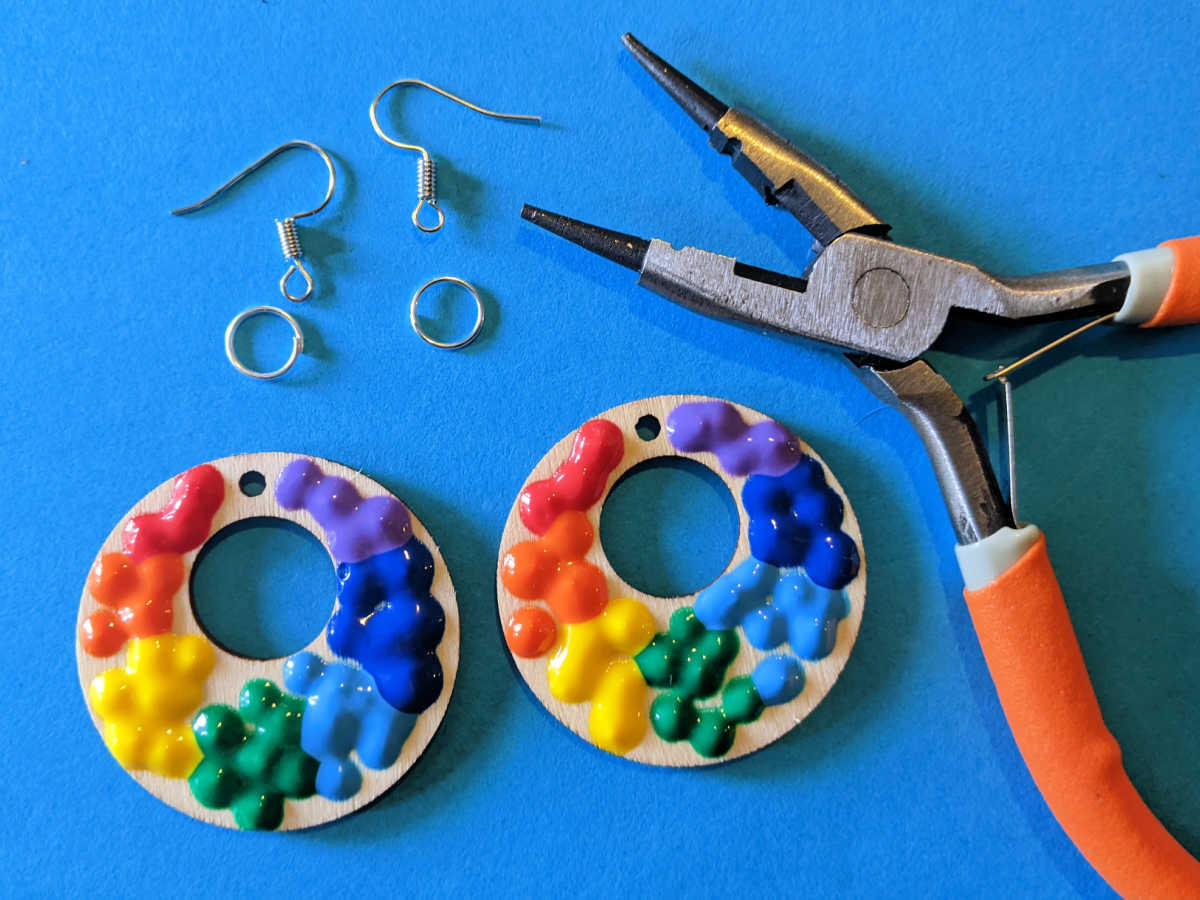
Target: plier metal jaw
(976,505)
(862,292)
(884,305)
(780,172)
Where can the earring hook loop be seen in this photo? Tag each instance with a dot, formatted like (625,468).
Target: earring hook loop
(426,170)
(289,240)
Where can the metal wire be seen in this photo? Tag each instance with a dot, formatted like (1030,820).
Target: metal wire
(289,239)
(1000,376)
(231,334)
(1011,440)
(426,167)
(416,323)
(1003,371)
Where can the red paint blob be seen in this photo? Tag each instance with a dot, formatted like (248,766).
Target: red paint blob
(183,524)
(530,632)
(579,481)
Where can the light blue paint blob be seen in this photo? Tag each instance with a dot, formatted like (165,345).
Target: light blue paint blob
(774,605)
(778,679)
(813,615)
(765,626)
(725,603)
(345,713)
(338,779)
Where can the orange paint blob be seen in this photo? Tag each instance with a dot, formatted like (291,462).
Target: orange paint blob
(579,593)
(570,535)
(135,600)
(528,568)
(552,568)
(530,632)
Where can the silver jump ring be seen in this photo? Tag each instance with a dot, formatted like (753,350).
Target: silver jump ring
(231,333)
(447,345)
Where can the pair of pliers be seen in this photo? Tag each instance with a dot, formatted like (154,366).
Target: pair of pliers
(886,304)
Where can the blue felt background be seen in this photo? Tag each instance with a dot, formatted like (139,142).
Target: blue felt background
(1021,137)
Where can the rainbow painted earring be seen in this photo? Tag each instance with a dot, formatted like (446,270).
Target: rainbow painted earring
(690,680)
(266,744)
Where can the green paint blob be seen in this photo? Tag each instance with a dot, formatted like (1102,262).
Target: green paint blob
(252,756)
(688,662)
(741,701)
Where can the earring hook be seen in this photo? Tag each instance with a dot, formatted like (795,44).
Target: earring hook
(289,240)
(426,168)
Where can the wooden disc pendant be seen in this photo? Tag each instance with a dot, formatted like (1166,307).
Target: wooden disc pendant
(278,743)
(683,681)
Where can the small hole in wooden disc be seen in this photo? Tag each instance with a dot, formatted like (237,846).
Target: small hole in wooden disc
(252,484)
(647,427)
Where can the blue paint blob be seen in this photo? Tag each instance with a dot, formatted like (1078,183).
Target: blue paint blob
(796,519)
(388,621)
(338,779)
(813,613)
(832,559)
(765,626)
(728,600)
(344,713)
(773,606)
(778,679)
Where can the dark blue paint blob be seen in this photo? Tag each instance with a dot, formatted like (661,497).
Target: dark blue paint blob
(388,621)
(796,520)
(832,559)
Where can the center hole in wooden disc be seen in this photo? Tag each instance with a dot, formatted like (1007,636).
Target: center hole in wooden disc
(263,588)
(669,526)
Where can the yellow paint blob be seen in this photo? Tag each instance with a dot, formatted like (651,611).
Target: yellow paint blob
(146,707)
(592,662)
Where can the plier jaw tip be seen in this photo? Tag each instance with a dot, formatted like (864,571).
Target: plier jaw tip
(625,249)
(704,109)
(782,174)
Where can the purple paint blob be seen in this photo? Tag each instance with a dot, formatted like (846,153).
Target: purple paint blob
(356,527)
(765,448)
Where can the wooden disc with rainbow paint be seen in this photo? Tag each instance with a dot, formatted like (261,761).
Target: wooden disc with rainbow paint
(692,680)
(268,744)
